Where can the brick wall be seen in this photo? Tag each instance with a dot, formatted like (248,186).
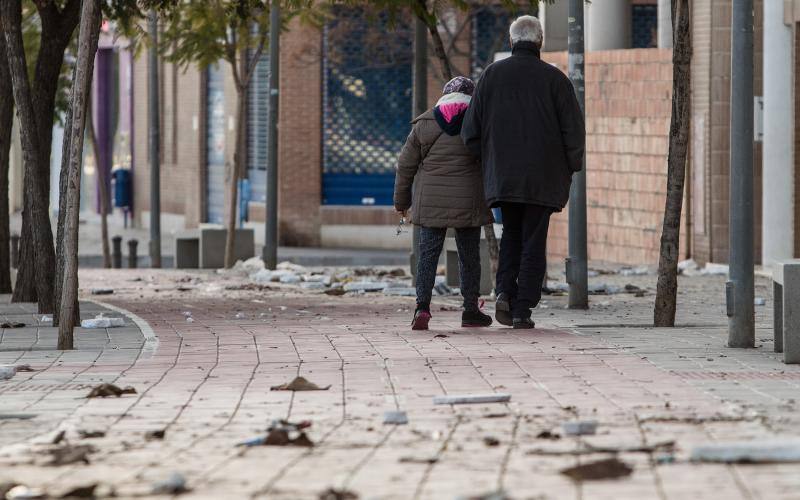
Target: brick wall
(711,74)
(628,108)
(180,149)
(300,136)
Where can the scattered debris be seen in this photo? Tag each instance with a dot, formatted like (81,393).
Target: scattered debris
(579,427)
(17,416)
(59,436)
(441,336)
(365,286)
(299,384)
(400,291)
(493,495)
(156,435)
(86,491)
(395,417)
(282,433)
(24,368)
(589,449)
(418,460)
(91,434)
(548,435)
(102,291)
(472,399)
(11,324)
(634,271)
(336,494)
(46,318)
(443,289)
(7,372)
(249,287)
(491,441)
(752,452)
(22,492)
(101,321)
(70,454)
(106,390)
(313,285)
(495,415)
(175,484)
(610,468)
(336,292)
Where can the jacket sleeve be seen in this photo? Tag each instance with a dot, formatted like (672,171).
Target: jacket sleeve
(407,166)
(573,128)
(471,127)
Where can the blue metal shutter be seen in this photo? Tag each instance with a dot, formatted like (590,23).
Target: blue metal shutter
(257,118)
(215,145)
(367,85)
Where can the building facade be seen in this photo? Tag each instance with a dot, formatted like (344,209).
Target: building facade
(345,108)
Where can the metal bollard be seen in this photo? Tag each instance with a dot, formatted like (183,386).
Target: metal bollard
(116,252)
(14,250)
(132,257)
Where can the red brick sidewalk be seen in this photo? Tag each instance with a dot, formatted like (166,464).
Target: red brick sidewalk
(208,386)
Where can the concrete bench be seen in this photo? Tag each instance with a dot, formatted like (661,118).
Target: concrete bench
(786,316)
(204,248)
(451,265)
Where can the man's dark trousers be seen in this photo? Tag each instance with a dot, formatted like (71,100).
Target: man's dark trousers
(523,258)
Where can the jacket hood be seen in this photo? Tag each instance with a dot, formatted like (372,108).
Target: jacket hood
(449,112)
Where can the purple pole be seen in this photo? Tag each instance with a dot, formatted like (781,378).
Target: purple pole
(102,111)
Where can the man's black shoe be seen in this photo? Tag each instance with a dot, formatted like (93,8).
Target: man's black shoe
(502,309)
(523,323)
(475,319)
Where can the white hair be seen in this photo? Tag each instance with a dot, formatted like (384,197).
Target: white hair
(526,29)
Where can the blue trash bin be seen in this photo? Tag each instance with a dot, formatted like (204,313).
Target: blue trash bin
(122,187)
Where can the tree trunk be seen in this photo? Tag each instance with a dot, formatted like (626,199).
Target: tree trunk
(236,174)
(57,26)
(439,50)
(36,185)
(667,287)
(103,184)
(82,81)
(6,121)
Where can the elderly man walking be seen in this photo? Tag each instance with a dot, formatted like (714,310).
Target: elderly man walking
(527,127)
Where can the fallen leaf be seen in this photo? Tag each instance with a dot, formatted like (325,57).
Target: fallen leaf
(91,434)
(156,435)
(548,435)
(491,441)
(11,324)
(418,460)
(335,292)
(441,336)
(59,437)
(81,492)
(106,390)
(611,468)
(69,454)
(24,368)
(334,494)
(299,384)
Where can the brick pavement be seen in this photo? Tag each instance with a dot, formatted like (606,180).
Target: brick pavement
(207,385)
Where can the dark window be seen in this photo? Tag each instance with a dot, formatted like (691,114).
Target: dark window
(645,26)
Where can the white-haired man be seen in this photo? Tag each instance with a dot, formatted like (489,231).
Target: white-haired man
(527,127)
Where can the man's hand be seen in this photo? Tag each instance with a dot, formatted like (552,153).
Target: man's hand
(402,213)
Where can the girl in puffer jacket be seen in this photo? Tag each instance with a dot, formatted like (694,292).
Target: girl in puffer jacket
(441,182)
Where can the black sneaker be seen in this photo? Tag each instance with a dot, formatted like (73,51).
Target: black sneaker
(502,309)
(475,319)
(524,323)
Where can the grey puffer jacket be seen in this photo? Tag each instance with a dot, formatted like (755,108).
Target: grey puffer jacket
(446,178)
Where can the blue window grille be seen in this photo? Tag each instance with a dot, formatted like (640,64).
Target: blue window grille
(645,26)
(367,86)
(257,118)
